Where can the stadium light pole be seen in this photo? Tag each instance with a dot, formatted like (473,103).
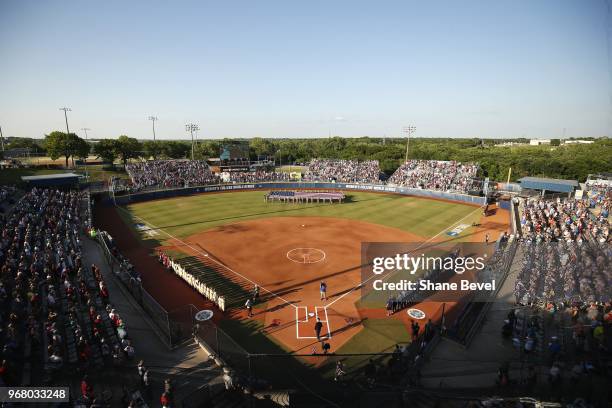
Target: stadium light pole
(66,110)
(85,129)
(153,119)
(408,130)
(192,127)
(1,139)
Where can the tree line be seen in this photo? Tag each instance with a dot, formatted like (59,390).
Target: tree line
(570,161)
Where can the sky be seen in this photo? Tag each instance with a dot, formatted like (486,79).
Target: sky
(492,69)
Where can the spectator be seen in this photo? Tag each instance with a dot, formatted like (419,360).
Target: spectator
(344,171)
(170,173)
(436,175)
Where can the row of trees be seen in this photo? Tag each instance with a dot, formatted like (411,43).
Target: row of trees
(571,161)
(574,161)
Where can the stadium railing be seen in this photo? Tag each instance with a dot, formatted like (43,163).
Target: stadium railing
(469,320)
(170,330)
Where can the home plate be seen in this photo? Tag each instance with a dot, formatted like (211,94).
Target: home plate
(311,314)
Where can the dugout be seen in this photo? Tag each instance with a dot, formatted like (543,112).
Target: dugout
(548,185)
(63,180)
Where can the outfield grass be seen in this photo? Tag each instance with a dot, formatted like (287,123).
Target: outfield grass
(185,216)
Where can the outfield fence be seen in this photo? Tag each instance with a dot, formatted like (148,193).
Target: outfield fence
(154,193)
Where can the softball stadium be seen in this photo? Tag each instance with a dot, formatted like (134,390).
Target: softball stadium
(233,287)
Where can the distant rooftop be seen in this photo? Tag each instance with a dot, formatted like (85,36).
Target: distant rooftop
(549,184)
(49,176)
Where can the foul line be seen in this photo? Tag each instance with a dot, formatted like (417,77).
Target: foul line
(416,249)
(208,257)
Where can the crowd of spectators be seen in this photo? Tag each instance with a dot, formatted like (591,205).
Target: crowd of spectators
(436,175)
(6,192)
(565,272)
(39,249)
(560,341)
(566,249)
(344,171)
(567,220)
(257,176)
(55,315)
(8,196)
(425,174)
(170,173)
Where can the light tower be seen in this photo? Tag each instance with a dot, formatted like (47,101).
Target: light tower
(192,127)
(85,129)
(408,130)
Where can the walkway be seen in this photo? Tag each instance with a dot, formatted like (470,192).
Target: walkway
(188,366)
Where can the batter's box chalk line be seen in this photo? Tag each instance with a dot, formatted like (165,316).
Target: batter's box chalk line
(306,255)
(320,312)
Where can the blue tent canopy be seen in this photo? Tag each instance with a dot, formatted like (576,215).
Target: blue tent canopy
(548,184)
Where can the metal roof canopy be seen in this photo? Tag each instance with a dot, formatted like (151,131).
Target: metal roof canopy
(53,180)
(49,176)
(549,184)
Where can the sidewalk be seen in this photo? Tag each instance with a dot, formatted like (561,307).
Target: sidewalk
(187,366)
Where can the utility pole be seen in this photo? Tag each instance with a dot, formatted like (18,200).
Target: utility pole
(1,139)
(153,119)
(408,130)
(192,127)
(66,110)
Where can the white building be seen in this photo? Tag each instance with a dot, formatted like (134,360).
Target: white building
(578,142)
(538,142)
